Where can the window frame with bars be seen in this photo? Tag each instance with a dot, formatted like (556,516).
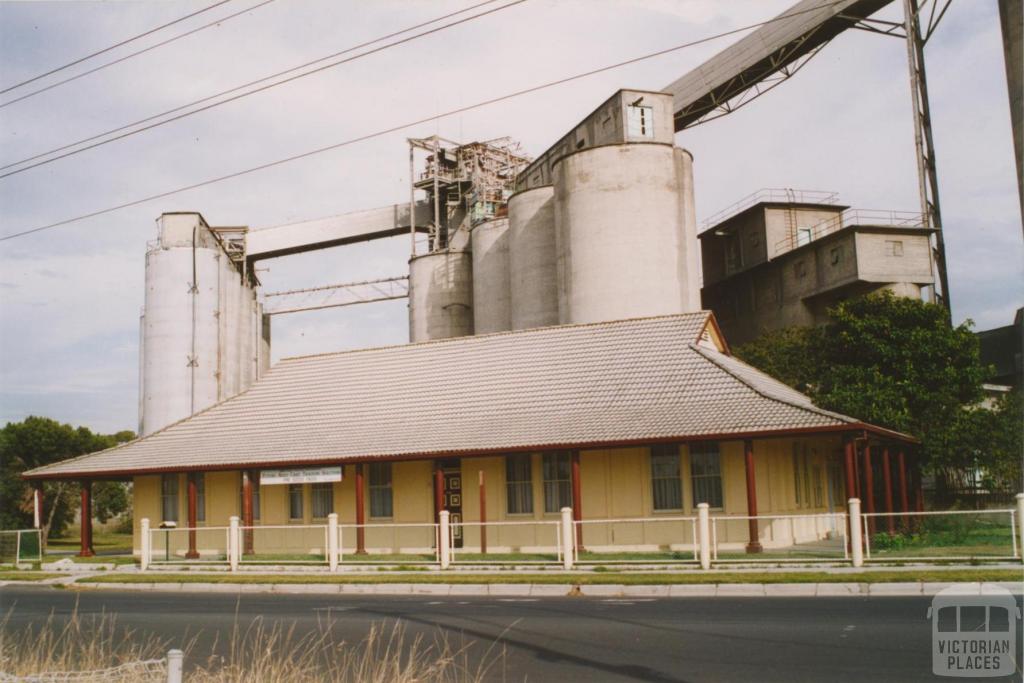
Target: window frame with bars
(319,489)
(560,487)
(699,450)
(519,490)
(300,499)
(170,497)
(382,495)
(667,453)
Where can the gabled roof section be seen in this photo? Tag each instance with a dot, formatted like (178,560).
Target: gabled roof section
(626,382)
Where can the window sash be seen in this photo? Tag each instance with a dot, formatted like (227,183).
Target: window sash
(323,500)
(666,482)
(295,512)
(557,469)
(519,484)
(381,493)
(169,497)
(706,474)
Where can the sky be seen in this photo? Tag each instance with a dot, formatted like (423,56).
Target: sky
(70,297)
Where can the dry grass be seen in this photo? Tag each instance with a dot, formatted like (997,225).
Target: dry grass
(255,652)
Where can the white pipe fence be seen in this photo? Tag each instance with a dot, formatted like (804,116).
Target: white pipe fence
(936,535)
(849,536)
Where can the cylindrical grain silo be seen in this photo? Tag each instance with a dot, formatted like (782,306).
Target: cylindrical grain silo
(180,324)
(533,291)
(619,233)
(491,305)
(690,276)
(440,295)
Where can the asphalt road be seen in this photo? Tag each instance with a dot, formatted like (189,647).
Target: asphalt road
(564,639)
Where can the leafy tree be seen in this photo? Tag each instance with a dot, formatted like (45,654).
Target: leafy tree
(898,363)
(39,441)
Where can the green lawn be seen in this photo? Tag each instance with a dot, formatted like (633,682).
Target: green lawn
(713,577)
(100,541)
(960,536)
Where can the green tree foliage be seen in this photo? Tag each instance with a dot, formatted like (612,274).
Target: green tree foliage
(39,441)
(898,363)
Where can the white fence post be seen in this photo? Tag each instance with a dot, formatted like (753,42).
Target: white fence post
(145,549)
(704,529)
(1020,522)
(443,538)
(175,665)
(568,539)
(233,543)
(856,540)
(332,541)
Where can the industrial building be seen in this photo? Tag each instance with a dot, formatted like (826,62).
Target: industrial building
(558,353)
(781,258)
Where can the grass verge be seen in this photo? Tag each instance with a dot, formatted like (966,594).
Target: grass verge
(581,579)
(28,576)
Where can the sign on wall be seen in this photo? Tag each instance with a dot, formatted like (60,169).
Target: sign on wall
(304,475)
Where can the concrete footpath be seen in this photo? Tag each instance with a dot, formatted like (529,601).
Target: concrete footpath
(520,590)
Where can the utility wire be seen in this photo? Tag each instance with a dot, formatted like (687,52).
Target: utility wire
(134,54)
(251,92)
(116,45)
(394,129)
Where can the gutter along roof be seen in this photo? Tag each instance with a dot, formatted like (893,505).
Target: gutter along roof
(604,384)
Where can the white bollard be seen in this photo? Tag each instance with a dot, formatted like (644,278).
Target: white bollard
(175,665)
(856,538)
(145,544)
(704,535)
(332,541)
(568,539)
(233,543)
(443,538)
(1020,523)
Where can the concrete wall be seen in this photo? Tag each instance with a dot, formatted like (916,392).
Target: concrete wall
(440,295)
(894,257)
(606,125)
(198,347)
(492,305)
(619,234)
(615,484)
(532,255)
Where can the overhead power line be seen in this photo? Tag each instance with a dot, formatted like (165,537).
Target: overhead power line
(135,54)
(250,92)
(410,124)
(115,46)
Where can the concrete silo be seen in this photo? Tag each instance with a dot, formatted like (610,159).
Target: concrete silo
(625,242)
(197,325)
(491,304)
(533,290)
(440,295)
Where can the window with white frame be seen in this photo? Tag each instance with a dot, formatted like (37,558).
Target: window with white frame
(557,481)
(322,499)
(640,121)
(169,497)
(706,473)
(381,494)
(519,484)
(666,485)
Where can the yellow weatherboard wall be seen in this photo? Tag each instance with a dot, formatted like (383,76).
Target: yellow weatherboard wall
(615,485)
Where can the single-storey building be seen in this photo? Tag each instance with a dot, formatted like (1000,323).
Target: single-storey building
(641,418)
